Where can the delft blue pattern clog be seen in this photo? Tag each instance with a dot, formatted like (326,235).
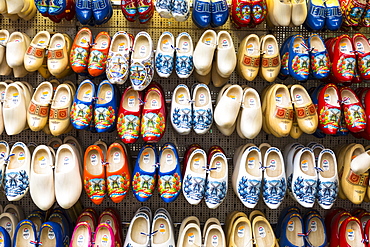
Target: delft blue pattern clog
(105,112)
(164,55)
(202,13)
(145,172)
(84,11)
(180,9)
(27,230)
(164,8)
(220,12)
(184,65)
(169,173)
(82,108)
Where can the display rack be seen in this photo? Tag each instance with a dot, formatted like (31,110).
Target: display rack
(180,208)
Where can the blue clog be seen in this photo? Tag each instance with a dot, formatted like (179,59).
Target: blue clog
(144,174)
(27,230)
(84,12)
(282,215)
(37,217)
(42,6)
(52,234)
(169,173)
(102,11)
(299,60)
(61,219)
(284,54)
(334,18)
(82,108)
(57,7)
(202,13)
(5,238)
(292,225)
(105,112)
(315,15)
(314,227)
(219,13)
(319,57)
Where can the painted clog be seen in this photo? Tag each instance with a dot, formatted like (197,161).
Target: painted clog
(181,110)
(184,65)
(354,113)
(164,55)
(98,54)
(202,113)
(299,61)
(80,51)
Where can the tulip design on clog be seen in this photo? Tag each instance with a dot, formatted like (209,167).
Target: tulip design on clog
(82,108)
(319,57)
(259,11)
(299,61)
(354,114)
(329,110)
(363,55)
(343,59)
(98,54)
(144,174)
(240,13)
(80,51)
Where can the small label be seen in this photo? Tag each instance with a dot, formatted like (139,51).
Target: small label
(59,45)
(279,98)
(8,226)
(313,226)
(250,49)
(252,102)
(131,101)
(291,226)
(104,45)
(15,98)
(122,46)
(80,240)
(350,234)
(41,42)
(104,240)
(17,41)
(26,233)
(270,49)
(21,157)
(66,161)
(299,98)
(108,95)
(273,165)
(360,47)
(214,240)
(191,238)
(162,229)
(94,159)
(218,166)
(109,222)
(202,98)
(225,43)
(241,231)
(169,159)
(181,98)
(296,48)
(261,232)
(116,157)
(42,162)
(142,51)
(325,165)
(208,41)
(44,95)
(343,47)
(3,95)
(87,96)
(51,234)
(166,45)
(146,157)
(185,46)
(63,99)
(327,98)
(233,97)
(154,103)
(196,163)
(83,41)
(304,165)
(251,162)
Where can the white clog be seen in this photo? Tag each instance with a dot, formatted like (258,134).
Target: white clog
(38,108)
(68,182)
(17,172)
(14,110)
(15,49)
(184,65)
(4,38)
(15,6)
(163,226)
(181,110)
(289,153)
(15,210)
(202,109)
(34,56)
(204,52)
(216,184)
(58,51)
(42,177)
(247,176)
(59,118)
(328,184)
(304,181)
(215,236)
(138,234)
(194,182)
(118,58)
(274,180)
(361,163)
(250,114)
(164,55)
(226,56)
(227,109)
(190,236)
(9,221)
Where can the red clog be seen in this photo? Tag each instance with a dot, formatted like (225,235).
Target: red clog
(343,59)
(153,120)
(353,110)
(335,226)
(364,217)
(187,154)
(362,48)
(129,115)
(329,217)
(111,217)
(367,233)
(357,211)
(329,109)
(145,9)
(241,13)
(90,216)
(80,51)
(258,11)
(129,9)
(351,233)
(212,150)
(365,99)
(98,54)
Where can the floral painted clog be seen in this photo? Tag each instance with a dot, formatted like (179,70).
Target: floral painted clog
(329,110)
(80,51)
(319,57)
(299,60)
(82,108)
(98,54)
(353,110)
(153,120)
